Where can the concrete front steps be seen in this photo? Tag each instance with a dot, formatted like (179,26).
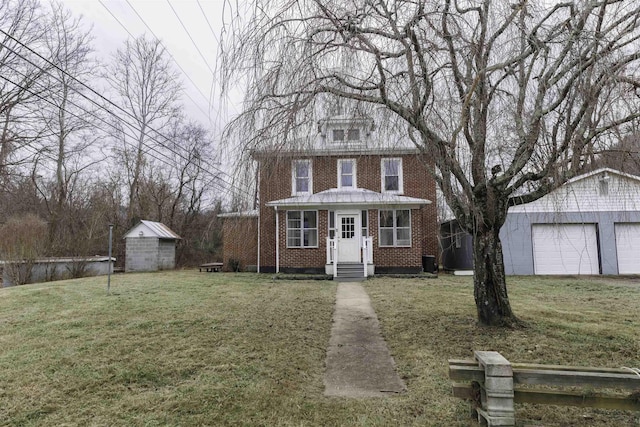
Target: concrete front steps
(350,272)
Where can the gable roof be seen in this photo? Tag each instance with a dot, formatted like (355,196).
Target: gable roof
(151,229)
(319,142)
(602,170)
(601,190)
(349,197)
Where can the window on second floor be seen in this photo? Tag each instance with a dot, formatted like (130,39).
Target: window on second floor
(391,172)
(346,173)
(301,181)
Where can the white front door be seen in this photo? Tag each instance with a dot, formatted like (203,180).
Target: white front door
(348,235)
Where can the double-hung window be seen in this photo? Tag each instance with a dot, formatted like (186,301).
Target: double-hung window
(391,172)
(395,227)
(302,229)
(346,173)
(301,181)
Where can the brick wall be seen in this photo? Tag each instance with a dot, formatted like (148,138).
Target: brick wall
(240,241)
(275,184)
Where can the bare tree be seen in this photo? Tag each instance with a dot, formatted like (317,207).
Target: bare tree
(149,90)
(22,29)
(67,115)
(509,99)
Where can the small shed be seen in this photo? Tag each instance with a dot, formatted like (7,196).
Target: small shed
(150,246)
(456,246)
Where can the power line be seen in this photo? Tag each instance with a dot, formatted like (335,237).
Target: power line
(215,36)
(172,57)
(94,92)
(151,149)
(184,27)
(110,112)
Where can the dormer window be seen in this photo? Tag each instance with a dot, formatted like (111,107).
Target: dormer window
(391,172)
(301,182)
(346,173)
(350,135)
(353,135)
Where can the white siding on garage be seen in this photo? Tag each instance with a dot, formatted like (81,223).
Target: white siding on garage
(628,248)
(584,194)
(565,249)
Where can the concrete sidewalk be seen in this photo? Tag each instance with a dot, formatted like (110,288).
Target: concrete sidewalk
(358,361)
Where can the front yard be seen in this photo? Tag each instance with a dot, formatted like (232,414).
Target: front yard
(189,348)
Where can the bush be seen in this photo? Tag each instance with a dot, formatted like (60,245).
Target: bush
(22,241)
(234,265)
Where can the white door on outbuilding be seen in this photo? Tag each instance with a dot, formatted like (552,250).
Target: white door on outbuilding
(565,249)
(628,248)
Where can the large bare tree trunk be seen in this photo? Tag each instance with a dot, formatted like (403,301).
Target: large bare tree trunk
(490,287)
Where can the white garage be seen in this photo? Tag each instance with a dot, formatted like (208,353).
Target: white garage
(628,248)
(565,249)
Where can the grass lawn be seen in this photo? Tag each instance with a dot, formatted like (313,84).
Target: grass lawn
(189,348)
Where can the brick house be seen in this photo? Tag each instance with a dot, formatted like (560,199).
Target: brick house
(343,201)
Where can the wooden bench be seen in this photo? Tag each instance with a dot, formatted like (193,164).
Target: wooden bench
(491,383)
(211,267)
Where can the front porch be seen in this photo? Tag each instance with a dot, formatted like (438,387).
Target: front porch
(342,269)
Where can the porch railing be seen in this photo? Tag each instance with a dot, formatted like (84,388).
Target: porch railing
(332,255)
(366,244)
(367,253)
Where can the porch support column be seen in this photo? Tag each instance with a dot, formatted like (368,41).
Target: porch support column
(277,241)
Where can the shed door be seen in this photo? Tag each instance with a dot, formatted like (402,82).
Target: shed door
(628,248)
(565,249)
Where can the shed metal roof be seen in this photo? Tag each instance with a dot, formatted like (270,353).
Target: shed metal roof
(152,229)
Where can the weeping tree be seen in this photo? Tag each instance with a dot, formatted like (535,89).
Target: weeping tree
(509,99)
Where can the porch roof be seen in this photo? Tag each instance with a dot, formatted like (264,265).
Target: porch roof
(346,197)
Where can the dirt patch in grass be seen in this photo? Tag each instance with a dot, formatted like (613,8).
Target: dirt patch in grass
(186,348)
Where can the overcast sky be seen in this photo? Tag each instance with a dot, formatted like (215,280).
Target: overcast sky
(194,52)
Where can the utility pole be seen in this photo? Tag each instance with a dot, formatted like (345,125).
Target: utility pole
(109,262)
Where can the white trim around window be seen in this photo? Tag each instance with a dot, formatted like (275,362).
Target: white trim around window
(394,228)
(302,229)
(347,173)
(391,175)
(301,177)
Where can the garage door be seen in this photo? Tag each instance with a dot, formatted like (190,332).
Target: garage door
(565,249)
(628,248)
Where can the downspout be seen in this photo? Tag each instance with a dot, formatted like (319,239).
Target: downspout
(277,241)
(258,260)
(256,205)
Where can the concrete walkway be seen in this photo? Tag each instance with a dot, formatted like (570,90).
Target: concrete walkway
(358,361)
